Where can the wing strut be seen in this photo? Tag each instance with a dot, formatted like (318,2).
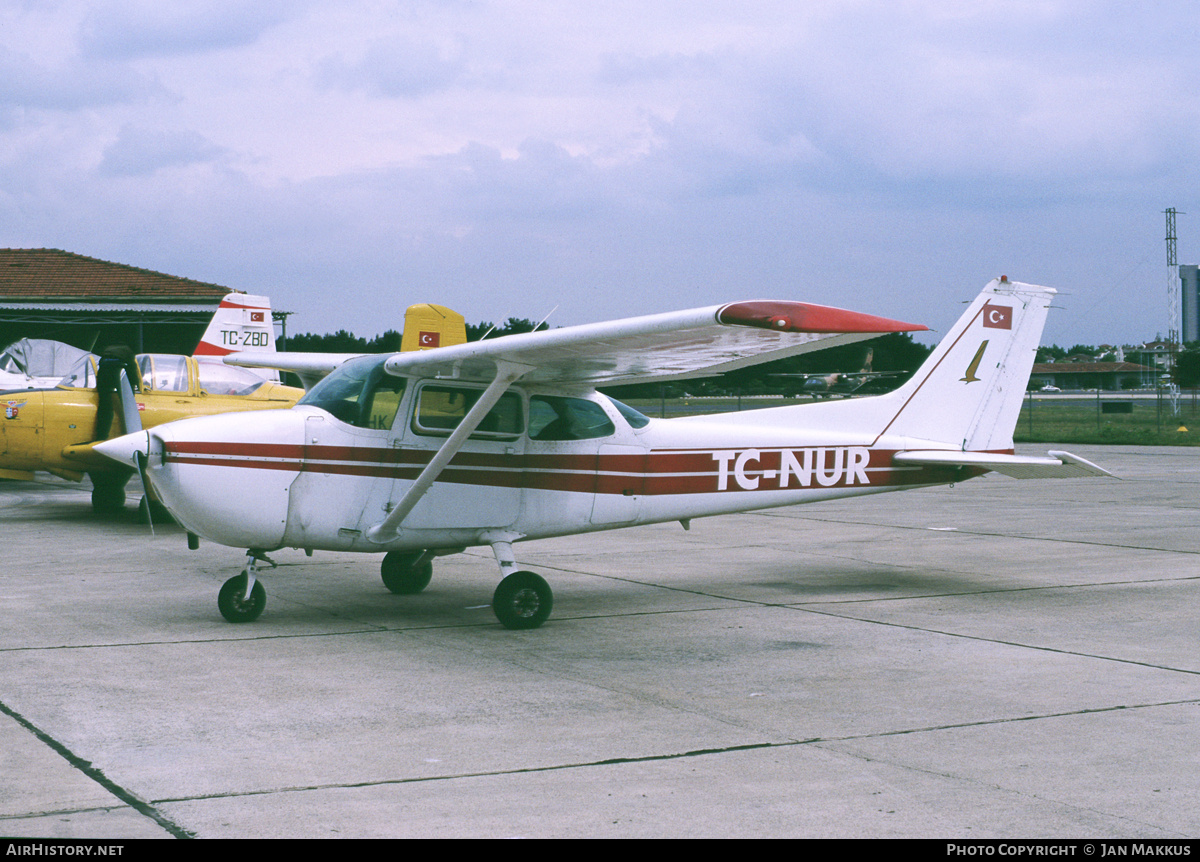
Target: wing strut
(507,373)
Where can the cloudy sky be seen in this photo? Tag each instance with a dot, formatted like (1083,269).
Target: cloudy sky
(612,158)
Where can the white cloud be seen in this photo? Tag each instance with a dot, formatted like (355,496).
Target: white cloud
(142,152)
(28,84)
(131,29)
(397,68)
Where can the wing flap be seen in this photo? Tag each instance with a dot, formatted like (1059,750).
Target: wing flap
(1057,465)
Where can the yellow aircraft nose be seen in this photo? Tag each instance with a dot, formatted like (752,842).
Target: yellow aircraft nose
(126,448)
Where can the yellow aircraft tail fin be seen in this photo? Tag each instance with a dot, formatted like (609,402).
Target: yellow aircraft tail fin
(429,326)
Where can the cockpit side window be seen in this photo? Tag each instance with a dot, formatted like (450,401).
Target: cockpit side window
(440,409)
(558,418)
(83,374)
(381,399)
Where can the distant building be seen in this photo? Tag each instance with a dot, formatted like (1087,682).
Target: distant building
(90,303)
(1189,277)
(1092,375)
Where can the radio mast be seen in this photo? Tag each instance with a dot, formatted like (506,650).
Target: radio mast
(1173,300)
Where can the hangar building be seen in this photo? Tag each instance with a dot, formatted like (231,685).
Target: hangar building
(90,303)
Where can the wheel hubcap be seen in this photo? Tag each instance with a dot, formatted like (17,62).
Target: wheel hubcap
(526,602)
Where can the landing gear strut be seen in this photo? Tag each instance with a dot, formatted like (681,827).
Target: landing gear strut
(242,598)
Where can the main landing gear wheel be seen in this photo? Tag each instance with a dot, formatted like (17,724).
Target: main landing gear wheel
(523,600)
(405,573)
(234,605)
(108,496)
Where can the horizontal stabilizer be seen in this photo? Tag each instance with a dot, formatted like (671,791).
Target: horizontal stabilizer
(1058,465)
(309,367)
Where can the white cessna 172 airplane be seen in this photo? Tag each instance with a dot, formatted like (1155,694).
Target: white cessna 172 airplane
(422,454)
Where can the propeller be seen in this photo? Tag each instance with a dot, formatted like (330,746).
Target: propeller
(133,449)
(131,421)
(131,417)
(142,459)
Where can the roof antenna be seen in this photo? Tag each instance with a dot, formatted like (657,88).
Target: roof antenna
(535,327)
(544,319)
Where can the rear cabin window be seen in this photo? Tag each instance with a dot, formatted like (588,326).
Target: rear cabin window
(557,418)
(217,378)
(440,409)
(359,393)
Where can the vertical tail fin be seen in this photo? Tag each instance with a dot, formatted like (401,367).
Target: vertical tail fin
(242,323)
(968,392)
(428,326)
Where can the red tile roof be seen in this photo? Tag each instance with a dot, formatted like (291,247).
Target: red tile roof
(47,273)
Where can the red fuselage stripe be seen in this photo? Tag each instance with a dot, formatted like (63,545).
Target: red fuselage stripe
(654,473)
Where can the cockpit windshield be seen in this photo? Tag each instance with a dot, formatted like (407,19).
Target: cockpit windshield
(360,393)
(635,418)
(163,372)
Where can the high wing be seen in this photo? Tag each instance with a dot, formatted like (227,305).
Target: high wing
(672,346)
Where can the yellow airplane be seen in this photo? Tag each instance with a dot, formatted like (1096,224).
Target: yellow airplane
(55,430)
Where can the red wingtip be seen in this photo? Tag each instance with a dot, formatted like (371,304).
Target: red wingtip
(783,316)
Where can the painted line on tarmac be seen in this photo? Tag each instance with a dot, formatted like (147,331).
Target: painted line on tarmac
(91,771)
(681,755)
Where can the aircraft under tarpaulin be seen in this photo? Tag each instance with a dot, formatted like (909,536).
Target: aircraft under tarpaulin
(36,363)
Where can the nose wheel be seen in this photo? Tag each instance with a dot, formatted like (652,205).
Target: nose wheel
(242,597)
(238,606)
